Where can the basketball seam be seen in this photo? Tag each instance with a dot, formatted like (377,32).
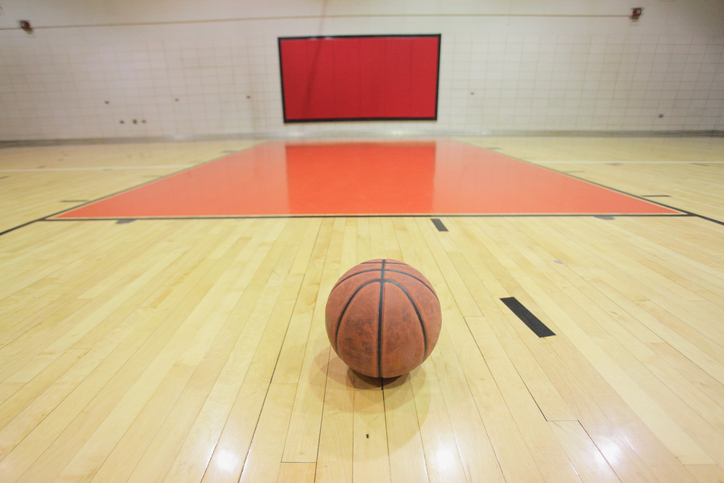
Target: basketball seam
(394,271)
(385,260)
(417,311)
(344,310)
(379,320)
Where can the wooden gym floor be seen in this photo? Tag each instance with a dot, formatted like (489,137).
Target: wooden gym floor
(195,349)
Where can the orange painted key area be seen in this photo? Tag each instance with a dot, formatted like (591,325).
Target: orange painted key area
(365,178)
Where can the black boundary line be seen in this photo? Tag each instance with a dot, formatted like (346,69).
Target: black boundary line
(527,317)
(348,119)
(356,36)
(18,227)
(50,217)
(281,78)
(439,224)
(437,81)
(377,215)
(680,210)
(142,185)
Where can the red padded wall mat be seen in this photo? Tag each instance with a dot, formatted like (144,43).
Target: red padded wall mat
(360,78)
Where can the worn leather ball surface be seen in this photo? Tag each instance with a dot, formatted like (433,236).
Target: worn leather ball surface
(383,318)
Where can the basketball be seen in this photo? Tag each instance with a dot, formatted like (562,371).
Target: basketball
(383,318)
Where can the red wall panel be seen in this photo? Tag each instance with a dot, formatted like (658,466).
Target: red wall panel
(359,78)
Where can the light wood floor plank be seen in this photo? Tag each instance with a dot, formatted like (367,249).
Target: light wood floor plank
(472,264)
(588,461)
(547,453)
(296,473)
(707,473)
(371,461)
(215,339)
(336,440)
(193,457)
(265,454)
(481,465)
(109,424)
(187,350)
(304,428)
(269,317)
(407,457)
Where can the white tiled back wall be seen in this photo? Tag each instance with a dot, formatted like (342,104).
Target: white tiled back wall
(212,68)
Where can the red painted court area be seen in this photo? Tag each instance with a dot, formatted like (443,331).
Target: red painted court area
(364,178)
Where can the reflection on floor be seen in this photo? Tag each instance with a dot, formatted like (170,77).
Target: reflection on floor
(354,177)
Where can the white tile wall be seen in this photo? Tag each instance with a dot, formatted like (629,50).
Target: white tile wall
(497,73)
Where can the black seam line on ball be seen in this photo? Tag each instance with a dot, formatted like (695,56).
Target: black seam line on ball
(379,320)
(341,316)
(394,271)
(369,262)
(417,311)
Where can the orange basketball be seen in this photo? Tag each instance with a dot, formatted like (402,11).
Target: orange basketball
(383,318)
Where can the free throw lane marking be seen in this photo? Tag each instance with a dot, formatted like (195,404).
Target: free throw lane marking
(533,323)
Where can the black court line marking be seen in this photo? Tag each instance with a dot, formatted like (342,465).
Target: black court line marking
(438,224)
(17,227)
(448,215)
(125,221)
(571,172)
(533,323)
(74,201)
(655,196)
(3,177)
(604,217)
(52,215)
(701,164)
(682,212)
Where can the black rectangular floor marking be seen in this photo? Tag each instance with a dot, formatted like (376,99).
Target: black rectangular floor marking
(3,177)
(538,327)
(74,201)
(655,196)
(438,224)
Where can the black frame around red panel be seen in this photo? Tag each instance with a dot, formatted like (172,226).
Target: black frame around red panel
(347,119)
